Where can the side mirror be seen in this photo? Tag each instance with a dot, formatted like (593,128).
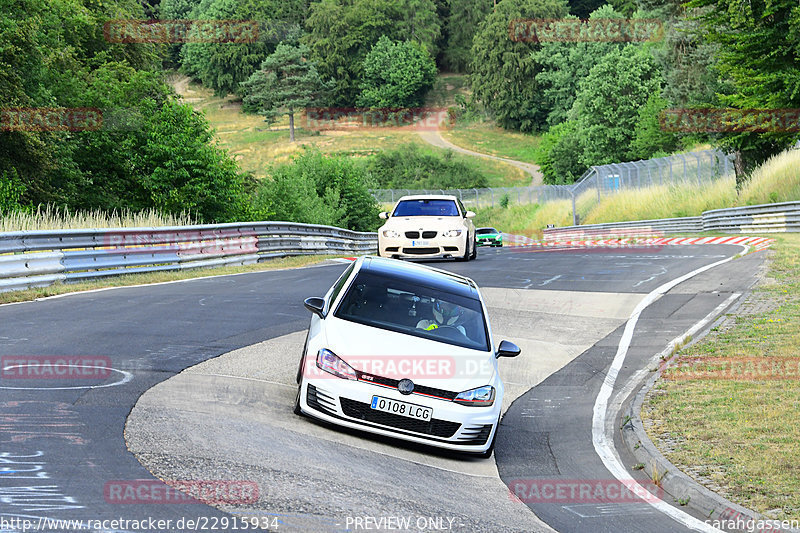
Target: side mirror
(384,215)
(469,214)
(316,305)
(507,349)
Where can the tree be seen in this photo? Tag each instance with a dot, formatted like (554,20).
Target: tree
(504,70)
(649,138)
(342,32)
(222,66)
(563,65)
(461,25)
(286,83)
(396,74)
(606,109)
(560,154)
(759,43)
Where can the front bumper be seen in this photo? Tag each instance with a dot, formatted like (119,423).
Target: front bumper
(487,241)
(452,426)
(439,247)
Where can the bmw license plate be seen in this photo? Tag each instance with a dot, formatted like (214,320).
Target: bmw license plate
(410,410)
(420,243)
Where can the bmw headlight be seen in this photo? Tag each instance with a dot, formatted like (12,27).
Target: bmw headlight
(480,397)
(452,233)
(333,364)
(390,233)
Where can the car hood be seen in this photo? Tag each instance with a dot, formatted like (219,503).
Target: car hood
(397,355)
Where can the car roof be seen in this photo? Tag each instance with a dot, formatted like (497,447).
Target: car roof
(428,197)
(421,275)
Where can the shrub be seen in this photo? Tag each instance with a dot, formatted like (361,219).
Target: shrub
(409,167)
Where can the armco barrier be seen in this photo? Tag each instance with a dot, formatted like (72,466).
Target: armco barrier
(765,218)
(40,258)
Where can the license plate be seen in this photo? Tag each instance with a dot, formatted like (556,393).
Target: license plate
(420,243)
(410,410)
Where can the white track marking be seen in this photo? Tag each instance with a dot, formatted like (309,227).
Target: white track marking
(603,445)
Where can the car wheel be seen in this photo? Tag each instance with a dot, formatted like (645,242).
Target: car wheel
(474,250)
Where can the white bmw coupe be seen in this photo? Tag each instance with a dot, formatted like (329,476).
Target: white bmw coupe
(404,350)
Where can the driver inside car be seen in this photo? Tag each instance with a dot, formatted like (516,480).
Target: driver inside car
(445,314)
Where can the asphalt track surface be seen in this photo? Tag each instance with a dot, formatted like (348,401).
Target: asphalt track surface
(61,449)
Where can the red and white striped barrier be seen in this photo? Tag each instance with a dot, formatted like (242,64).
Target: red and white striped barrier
(756,243)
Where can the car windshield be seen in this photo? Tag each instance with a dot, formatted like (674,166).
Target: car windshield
(422,208)
(430,313)
(486,231)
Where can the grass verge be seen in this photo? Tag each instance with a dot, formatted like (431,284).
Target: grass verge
(741,436)
(487,138)
(257,145)
(158,277)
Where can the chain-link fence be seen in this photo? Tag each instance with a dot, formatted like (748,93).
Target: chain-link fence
(688,168)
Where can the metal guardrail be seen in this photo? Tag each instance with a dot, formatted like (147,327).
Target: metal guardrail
(40,258)
(765,218)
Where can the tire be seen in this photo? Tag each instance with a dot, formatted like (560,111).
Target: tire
(474,254)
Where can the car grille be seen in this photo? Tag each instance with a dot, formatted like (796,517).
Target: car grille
(475,434)
(418,389)
(420,251)
(428,234)
(362,411)
(412,235)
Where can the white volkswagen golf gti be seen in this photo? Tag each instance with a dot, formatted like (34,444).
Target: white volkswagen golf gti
(404,350)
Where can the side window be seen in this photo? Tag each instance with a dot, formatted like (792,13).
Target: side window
(337,288)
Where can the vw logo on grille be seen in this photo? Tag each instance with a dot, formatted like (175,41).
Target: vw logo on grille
(406,386)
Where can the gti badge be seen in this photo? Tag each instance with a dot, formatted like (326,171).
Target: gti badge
(406,386)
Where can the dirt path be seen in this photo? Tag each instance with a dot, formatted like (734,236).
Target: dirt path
(435,138)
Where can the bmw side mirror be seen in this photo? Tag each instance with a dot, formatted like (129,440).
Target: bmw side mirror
(469,214)
(316,305)
(507,349)
(384,215)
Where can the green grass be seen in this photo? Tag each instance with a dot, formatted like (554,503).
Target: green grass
(487,138)
(157,277)
(743,435)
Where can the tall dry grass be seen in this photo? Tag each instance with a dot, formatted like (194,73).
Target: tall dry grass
(664,201)
(777,180)
(49,217)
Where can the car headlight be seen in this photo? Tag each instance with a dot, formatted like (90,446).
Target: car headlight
(452,233)
(390,233)
(480,397)
(333,364)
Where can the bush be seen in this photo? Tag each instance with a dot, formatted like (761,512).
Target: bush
(11,191)
(560,154)
(318,189)
(409,167)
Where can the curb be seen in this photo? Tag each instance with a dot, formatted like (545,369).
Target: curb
(673,481)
